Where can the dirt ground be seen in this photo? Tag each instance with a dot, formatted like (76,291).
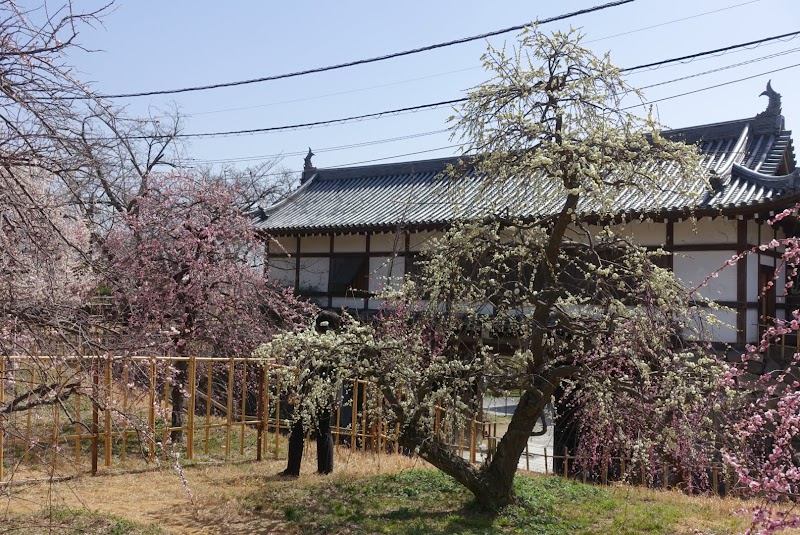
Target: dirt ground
(160,496)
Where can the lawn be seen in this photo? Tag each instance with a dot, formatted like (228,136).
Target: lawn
(367,494)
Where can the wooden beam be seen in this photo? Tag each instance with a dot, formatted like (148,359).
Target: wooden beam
(741,283)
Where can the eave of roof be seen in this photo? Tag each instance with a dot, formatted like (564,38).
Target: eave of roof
(742,156)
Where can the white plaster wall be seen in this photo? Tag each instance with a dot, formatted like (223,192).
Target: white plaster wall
(647,233)
(752,232)
(349,244)
(386,272)
(389,242)
(723,331)
(720,230)
(315,244)
(348,302)
(780,284)
(752,278)
(693,267)
(282,271)
(375,304)
(283,245)
(418,240)
(752,325)
(314,274)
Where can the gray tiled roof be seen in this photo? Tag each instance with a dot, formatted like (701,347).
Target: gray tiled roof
(745,155)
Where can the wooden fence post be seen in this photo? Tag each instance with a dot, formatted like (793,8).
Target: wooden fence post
(95,412)
(107,412)
(527,457)
(2,417)
(125,382)
(715,479)
(243,415)
(209,397)
(229,409)
(151,412)
(473,440)
(260,413)
(191,408)
(566,463)
(545,459)
(277,414)
(353,416)
(78,402)
(166,414)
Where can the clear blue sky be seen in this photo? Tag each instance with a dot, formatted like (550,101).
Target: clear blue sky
(146,45)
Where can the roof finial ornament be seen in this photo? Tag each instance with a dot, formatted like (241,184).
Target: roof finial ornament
(308,168)
(774,106)
(307,162)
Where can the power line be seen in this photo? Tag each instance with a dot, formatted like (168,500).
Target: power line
(421,107)
(291,101)
(453,146)
(360,61)
(723,50)
(280,173)
(711,87)
(671,22)
(433,132)
(626,108)
(338,93)
(325,149)
(376,115)
(391,157)
(726,67)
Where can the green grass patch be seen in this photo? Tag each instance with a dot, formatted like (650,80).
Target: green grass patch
(427,501)
(65,521)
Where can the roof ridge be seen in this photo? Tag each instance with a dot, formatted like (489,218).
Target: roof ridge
(365,171)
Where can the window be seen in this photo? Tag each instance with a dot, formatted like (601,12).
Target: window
(349,275)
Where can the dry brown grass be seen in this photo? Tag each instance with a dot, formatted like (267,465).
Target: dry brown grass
(159,497)
(222,498)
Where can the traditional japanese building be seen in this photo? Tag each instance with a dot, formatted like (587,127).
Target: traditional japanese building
(344,232)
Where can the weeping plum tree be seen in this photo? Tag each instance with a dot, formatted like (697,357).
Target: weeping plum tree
(181,270)
(767,424)
(522,293)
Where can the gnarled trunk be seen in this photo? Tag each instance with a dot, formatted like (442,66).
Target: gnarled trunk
(493,483)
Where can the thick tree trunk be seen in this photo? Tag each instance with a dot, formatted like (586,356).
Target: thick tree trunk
(492,484)
(499,474)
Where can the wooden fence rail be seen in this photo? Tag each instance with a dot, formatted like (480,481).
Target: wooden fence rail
(118,414)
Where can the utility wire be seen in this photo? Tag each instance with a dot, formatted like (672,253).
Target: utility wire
(452,146)
(421,107)
(670,22)
(325,149)
(413,109)
(710,87)
(726,67)
(343,120)
(328,95)
(394,156)
(723,50)
(360,61)
(433,132)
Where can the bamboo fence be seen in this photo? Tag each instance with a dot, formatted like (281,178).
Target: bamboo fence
(118,418)
(119,415)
